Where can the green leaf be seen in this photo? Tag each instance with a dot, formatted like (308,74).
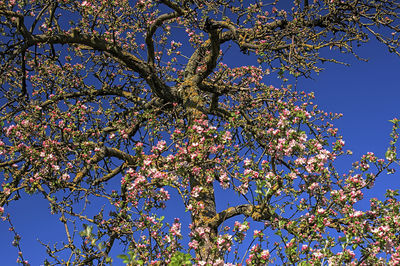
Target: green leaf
(180,258)
(125,258)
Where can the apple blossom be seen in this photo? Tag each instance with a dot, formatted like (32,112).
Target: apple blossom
(139,107)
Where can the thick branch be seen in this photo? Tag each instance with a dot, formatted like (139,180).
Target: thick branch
(248,210)
(109,176)
(106,152)
(213,52)
(173,6)
(150,32)
(97,43)
(212,46)
(262,213)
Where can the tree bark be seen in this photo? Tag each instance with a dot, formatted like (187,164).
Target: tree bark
(204,203)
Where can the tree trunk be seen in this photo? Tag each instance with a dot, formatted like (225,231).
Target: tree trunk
(204,203)
(207,250)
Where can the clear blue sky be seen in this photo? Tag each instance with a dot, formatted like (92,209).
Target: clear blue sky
(368,95)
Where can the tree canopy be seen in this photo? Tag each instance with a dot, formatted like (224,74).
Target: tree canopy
(110,107)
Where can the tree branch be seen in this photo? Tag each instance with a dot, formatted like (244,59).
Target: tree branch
(150,32)
(97,43)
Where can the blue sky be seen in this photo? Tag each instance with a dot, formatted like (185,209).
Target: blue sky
(367,93)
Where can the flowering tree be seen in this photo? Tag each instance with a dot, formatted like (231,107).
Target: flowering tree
(140,92)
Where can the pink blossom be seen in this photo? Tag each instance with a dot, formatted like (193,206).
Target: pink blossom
(194,244)
(247,162)
(227,136)
(85,3)
(265,254)
(318,254)
(65,177)
(147,161)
